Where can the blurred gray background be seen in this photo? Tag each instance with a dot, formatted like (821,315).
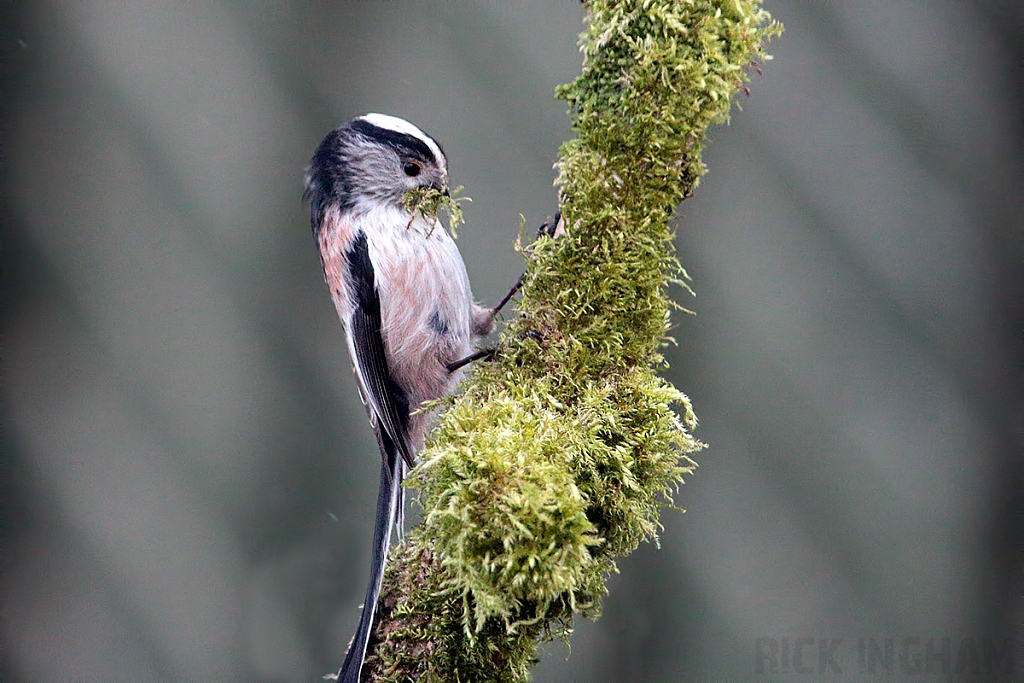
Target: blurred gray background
(189,477)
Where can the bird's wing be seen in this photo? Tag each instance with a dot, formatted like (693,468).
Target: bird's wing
(388,407)
(386,401)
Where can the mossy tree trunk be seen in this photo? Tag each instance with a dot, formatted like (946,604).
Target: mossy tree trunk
(557,457)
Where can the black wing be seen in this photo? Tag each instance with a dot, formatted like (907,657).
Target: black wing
(388,406)
(388,403)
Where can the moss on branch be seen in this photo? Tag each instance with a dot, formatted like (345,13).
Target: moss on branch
(557,457)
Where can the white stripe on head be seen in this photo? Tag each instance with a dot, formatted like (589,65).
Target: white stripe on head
(402,126)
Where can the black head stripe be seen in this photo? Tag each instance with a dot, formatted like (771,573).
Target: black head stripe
(327,181)
(403,143)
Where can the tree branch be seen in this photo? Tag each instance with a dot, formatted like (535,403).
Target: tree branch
(558,455)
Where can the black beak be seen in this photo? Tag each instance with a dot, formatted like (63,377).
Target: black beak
(441,187)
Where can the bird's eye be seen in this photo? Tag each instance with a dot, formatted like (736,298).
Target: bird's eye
(412,169)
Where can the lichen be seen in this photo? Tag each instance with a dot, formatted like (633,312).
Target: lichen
(557,456)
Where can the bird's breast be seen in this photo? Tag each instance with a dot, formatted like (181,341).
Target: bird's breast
(425,304)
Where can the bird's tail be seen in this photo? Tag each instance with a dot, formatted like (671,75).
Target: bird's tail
(390,498)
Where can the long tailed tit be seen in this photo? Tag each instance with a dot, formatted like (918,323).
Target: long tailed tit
(401,290)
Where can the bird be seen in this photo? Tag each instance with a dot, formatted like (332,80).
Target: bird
(401,290)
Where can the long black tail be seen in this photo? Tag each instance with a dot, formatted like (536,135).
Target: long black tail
(389,512)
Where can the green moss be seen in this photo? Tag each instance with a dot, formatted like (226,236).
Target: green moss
(428,202)
(557,457)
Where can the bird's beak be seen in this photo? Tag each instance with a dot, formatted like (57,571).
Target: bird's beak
(440,187)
